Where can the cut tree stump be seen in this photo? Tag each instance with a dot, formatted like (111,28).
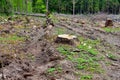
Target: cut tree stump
(76,20)
(66,39)
(82,22)
(108,23)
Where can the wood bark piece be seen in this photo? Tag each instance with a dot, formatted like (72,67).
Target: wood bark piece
(66,39)
(108,23)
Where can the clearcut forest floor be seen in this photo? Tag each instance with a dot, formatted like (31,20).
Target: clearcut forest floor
(27,54)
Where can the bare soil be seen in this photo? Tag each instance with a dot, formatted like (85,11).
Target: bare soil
(31,58)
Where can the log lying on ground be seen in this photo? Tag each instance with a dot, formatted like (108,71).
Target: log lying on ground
(27,14)
(66,39)
(108,23)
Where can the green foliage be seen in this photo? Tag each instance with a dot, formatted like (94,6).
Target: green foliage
(83,61)
(111,56)
(39,7)
(111,29)
(86,77)
(86,59)
(5,7)
(88,45)
(29,7)
(87,63)
(52,70)
(10,6)
(60,6)
(11,39)
(85,6)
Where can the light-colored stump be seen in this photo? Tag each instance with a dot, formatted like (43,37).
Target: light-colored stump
(76,20)
(82,22)
(66,39)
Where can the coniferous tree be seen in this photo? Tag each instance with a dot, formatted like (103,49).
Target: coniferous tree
(60,6)
(5,7)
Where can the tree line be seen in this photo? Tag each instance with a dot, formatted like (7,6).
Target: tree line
(60,6)
(85,6)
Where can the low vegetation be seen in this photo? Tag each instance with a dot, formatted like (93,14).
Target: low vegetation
(40,57)
(86,77)
(11,39)
(84,56)
(107,29)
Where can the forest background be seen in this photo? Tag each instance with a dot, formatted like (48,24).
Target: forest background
(60,6)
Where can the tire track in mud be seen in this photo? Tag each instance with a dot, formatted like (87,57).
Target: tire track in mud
(92,32)
(96,33)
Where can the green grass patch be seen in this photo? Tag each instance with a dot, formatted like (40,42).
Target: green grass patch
(88,45)
(51,70)
(86,77)
(112,57)
(53,18)
(11,39)
(60,31)
(54,70)
(86,59)
(111,29)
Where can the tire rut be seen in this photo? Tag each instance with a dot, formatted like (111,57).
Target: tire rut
(92,33)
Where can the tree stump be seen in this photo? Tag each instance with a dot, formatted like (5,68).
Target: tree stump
(82,22)
(108,23)
(76,20)
(66,39)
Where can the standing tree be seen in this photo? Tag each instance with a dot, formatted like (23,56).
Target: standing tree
(47,5)
(73,7)
(39,6)
(5,7)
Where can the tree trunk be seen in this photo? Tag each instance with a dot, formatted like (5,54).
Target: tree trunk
(73,7)
(26,8)
(47,5)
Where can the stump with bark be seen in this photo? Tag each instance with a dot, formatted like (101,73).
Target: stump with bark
(108,23)
(66,39)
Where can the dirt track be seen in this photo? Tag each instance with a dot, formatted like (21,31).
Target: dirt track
(33,57)
(92,32)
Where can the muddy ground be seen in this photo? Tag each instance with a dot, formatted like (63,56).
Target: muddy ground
(28,53)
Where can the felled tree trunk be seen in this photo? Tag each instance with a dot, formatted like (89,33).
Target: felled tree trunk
(108,23)
(66,39)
